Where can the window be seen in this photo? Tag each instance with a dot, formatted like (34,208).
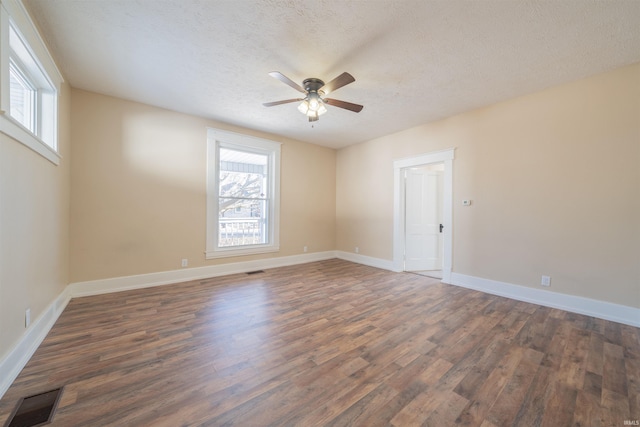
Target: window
(29,83)
(22,98)
(243,201)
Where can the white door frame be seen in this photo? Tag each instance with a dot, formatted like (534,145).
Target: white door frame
(446,157)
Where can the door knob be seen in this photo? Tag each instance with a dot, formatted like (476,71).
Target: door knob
(441,227)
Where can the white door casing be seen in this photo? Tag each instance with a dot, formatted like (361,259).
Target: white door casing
(446,157)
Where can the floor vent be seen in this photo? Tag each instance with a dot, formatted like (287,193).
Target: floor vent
(255,272)
(36,410)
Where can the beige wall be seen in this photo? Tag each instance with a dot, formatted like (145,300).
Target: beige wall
(34,229)
(138,190)
(555,183)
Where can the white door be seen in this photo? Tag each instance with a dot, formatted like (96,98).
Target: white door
(423,218)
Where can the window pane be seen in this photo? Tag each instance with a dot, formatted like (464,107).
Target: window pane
(242,222)
(243,174)
(22,95)
(244,185)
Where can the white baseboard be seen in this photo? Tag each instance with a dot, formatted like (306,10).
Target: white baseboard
(575,304)
(13,362)
(366,260)
(125,283)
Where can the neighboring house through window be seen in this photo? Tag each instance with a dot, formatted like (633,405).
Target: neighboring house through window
(243,200)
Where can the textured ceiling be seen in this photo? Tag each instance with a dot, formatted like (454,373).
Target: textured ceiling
(414,61)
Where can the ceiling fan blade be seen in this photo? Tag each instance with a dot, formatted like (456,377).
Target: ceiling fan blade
(286,101)
(286,80)
(342,80)
(344,104)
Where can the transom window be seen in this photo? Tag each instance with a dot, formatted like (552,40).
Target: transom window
(242,194)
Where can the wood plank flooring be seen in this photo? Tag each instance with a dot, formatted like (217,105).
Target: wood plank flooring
(331,343)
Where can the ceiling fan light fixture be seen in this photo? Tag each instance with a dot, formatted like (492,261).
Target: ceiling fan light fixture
(304,107)
(312,106)
(314,101)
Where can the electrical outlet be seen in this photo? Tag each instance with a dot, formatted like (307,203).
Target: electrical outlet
(545,281)
(27,317)
(305,249)
(185,262)
(357,250)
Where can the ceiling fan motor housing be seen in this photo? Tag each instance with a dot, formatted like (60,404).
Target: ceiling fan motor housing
(312,84)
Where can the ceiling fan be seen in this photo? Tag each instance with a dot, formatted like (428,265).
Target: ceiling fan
(315,90)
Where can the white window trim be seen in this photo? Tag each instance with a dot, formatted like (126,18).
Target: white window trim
(13,13)
(215,139)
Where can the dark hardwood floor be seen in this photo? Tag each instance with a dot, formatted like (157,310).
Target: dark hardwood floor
(331,343)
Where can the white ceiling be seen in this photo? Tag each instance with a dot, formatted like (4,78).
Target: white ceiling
(414,61)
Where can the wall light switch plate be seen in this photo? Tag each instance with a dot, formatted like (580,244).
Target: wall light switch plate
(466,202)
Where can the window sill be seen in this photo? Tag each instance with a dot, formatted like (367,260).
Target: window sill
(15,131)
(232,252)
